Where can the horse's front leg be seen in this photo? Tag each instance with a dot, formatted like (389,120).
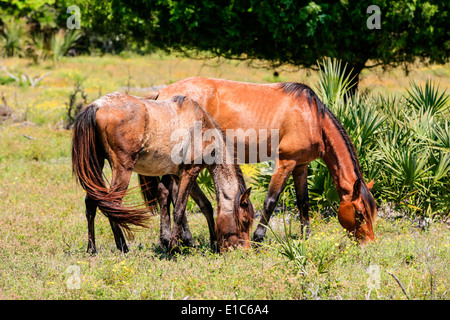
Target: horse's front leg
(164,199)
(205,206)
(283,170)
(300,175)
(186,235)
(186,180)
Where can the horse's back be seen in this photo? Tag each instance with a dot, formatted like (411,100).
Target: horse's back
(119,110)
(238,104)
(235,105)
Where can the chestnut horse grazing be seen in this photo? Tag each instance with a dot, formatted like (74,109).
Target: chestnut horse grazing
(135,134)
(307,130)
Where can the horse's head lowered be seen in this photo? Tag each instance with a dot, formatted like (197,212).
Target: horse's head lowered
(358,213)
(236,232)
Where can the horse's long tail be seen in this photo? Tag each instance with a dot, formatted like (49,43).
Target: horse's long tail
(88,157)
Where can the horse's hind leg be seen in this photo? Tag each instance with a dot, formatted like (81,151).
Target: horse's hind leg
(91,210)
(119,238)
(207,210)
(300,175)
(120,181)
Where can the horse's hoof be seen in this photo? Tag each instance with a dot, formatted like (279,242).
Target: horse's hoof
(258,238)
(215,247)
(91,251)
(173,247)
(306,231)
(164,242)
(187,242)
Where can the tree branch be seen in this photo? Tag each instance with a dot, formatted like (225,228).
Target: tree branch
(400,284)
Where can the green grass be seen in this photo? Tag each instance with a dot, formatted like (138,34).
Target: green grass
(44,236)
(46,103)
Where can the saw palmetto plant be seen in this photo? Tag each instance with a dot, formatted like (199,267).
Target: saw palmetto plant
(402,142)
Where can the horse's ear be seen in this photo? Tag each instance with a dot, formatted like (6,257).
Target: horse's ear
(356,189)
(243,200)
(370,185)
(152,95)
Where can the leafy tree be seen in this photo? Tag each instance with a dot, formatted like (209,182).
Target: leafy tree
(278,31)
(295,32)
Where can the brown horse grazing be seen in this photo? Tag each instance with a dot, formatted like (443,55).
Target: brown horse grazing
(136,134)
(307,130)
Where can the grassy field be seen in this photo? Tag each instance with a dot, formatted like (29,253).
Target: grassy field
(43,230)
(46,102)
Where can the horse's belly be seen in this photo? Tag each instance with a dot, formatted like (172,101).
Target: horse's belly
(155,165)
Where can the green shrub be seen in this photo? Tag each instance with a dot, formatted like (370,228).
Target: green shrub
(61,42)
(12,36)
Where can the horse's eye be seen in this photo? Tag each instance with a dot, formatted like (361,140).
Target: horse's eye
(359,215)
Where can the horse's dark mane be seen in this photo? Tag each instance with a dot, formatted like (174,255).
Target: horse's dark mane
(242,189)
(367,197)
(369,201)
(297,89)
(240,178)
(348,143)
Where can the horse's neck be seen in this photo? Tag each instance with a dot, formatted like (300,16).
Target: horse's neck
(338,157)
(226,183)
(225,174)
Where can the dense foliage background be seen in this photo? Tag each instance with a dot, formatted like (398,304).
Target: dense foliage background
(293,32)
